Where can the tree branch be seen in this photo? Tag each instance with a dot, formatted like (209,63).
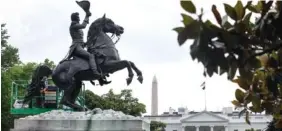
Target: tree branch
(275,48)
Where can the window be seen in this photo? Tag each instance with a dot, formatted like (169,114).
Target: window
(236,130)
(174,130)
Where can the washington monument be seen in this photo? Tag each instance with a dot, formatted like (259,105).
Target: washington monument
(154,97)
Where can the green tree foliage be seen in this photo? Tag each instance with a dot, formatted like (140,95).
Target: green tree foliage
(271,126)
(9,54)
(235,43)
(12,69)
(49,63)
(9,57)
(124,102)
(93,101)
(157,126)
(17,72)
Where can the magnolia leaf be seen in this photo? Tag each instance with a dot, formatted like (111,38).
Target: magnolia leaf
(222,71)
(208,23)
(236,103)
(278,5)
(247,118)
(186,19)
(277,115)
(241,27)
(242,83)
(280,56)
(248,97)
(256,110)
(263,59)
(230,11)
(260,73)
(254,63)
(246,74)
(211,29)
(242,112)
(240,11)
(225,23)
(247,22)
(247,18)
(268,106)
(210,70)
(252,109)
(278,124)
(232,67)
(274,55)
(267,6)
(239,95)
(253,8)
(188,6)
(190,31)
(259,5)
(216,14)
(231,41)
(178,29)
(232,72)
(249,3)
(256,101)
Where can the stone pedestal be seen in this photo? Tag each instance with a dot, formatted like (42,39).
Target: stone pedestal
(80,121)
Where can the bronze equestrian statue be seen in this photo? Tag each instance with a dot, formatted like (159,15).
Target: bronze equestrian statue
(77,47)
(69,73)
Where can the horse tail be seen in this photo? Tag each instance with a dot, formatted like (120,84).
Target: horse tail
(38,74)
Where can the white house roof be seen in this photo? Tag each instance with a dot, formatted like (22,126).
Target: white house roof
(253,119)
(204,116)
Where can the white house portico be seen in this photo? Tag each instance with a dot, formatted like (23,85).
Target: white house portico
(204,121)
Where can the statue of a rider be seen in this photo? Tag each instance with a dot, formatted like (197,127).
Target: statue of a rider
(78,44)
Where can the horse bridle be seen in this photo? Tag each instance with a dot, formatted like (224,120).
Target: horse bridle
(113,36)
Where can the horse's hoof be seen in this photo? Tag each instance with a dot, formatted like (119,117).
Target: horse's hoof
(128,81)
(83,109)
(92,82)
(78,108)
(86,109)
(140,79)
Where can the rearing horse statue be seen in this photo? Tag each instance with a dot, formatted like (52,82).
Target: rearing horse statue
(69,74)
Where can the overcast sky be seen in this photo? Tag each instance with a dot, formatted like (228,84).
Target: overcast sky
(39,28)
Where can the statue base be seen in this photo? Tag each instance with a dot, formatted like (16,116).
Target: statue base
(58,120)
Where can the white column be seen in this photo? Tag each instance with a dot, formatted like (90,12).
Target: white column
(226,128)
(197,128)
(211,128)
(183,128)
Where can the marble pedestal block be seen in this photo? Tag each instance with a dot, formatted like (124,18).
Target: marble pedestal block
(80,121)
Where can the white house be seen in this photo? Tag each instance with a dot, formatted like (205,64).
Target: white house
(225,120)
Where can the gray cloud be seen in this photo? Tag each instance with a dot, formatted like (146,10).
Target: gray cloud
(148,36)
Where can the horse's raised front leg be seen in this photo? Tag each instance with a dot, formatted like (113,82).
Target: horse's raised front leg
(138,72)
(113,66)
